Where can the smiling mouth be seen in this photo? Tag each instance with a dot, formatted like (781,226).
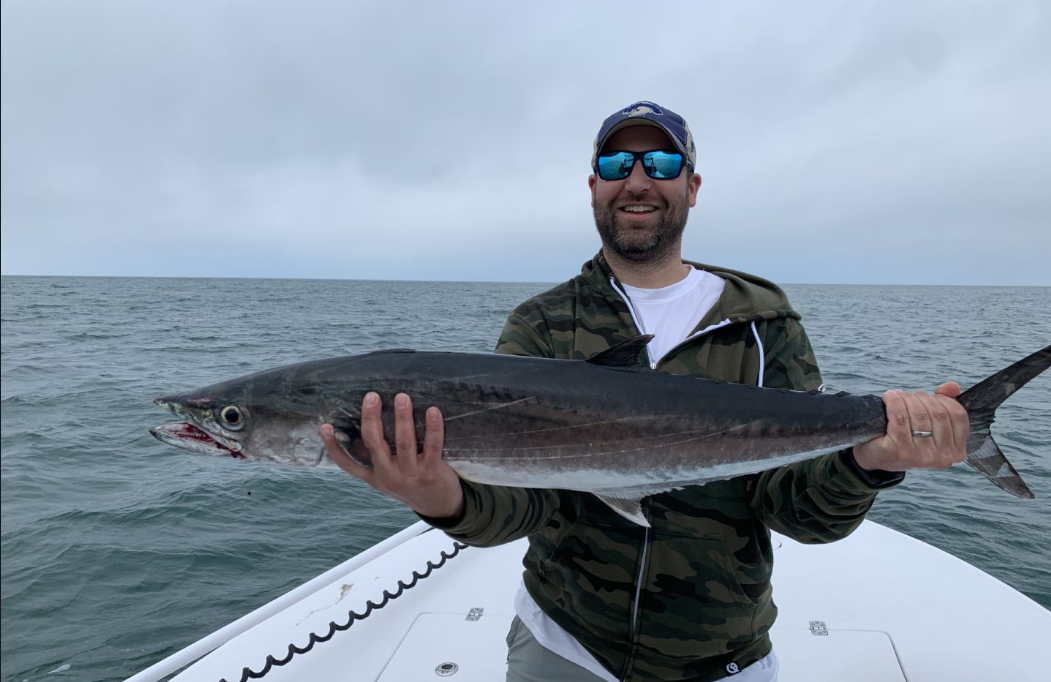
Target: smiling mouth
(638,210)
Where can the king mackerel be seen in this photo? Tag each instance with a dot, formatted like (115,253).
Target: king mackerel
(605,425)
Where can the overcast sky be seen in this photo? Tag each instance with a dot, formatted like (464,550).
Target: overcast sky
(860,142)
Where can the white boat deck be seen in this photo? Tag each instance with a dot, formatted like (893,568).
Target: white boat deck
(877,607)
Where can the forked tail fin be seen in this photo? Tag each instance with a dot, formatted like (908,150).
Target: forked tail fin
(981,401)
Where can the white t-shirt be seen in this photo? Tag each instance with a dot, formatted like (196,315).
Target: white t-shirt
(672,312)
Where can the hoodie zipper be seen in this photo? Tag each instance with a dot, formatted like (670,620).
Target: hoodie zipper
(691,337)
(638,598)
(634,317)
(644,553)
(638,582)
(653,365)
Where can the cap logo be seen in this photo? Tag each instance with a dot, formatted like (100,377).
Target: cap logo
(641,109)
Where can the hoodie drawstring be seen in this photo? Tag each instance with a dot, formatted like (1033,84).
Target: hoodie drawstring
(762,355)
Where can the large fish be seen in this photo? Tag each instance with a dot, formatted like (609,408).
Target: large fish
(604,425)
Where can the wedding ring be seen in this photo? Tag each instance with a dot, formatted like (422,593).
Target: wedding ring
(923,434)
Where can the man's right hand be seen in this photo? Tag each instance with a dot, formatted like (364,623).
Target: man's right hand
(424,481)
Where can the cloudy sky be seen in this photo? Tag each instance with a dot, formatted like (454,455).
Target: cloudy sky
(861,142)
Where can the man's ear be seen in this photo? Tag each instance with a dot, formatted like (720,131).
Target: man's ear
(592,181)
(694,184)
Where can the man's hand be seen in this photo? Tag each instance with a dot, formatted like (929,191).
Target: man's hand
(423,481)
(909,413)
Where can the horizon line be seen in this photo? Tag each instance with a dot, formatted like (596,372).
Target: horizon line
(487,281)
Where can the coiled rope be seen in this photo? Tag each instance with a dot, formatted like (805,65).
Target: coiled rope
(334,627)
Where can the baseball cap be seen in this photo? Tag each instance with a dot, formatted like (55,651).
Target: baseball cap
(649,113)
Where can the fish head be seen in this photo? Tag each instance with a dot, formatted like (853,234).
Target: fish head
(245,423)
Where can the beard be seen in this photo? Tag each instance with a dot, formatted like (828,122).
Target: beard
(626,243)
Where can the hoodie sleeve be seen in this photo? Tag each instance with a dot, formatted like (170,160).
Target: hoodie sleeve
(822,499)
(494,514)
(525,333)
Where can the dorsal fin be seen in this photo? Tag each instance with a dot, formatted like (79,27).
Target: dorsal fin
(624,354)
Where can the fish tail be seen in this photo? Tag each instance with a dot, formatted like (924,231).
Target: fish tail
(981,401)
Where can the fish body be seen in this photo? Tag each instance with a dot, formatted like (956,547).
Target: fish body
(606,425)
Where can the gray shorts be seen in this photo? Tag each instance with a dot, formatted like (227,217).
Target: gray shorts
(527,661)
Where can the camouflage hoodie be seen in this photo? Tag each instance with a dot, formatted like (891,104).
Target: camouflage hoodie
(690,596)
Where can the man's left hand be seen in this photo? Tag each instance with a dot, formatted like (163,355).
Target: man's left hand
(918,413)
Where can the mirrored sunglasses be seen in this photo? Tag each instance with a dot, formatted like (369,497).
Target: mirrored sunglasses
(657,164)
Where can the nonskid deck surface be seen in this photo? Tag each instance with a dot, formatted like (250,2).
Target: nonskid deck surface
(877,606)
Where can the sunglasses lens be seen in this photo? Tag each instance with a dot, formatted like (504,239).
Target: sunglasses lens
(662,165)
(615,166)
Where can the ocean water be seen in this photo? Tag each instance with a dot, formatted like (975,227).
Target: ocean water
(118,550)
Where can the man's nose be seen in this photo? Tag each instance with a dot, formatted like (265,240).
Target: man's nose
(637,180)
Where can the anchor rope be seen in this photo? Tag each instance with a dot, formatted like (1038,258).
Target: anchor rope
(353,617)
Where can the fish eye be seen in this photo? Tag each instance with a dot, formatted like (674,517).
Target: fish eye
(232,417)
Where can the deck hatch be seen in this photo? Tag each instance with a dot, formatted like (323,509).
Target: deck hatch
(808,654)
(435,639)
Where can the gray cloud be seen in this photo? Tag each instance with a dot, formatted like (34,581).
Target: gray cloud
(873,142)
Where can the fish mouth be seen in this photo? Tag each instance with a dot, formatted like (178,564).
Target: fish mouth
(189,437)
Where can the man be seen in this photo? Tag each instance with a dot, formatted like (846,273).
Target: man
(689,598)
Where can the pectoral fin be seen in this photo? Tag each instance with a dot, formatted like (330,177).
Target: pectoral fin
(349,438)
